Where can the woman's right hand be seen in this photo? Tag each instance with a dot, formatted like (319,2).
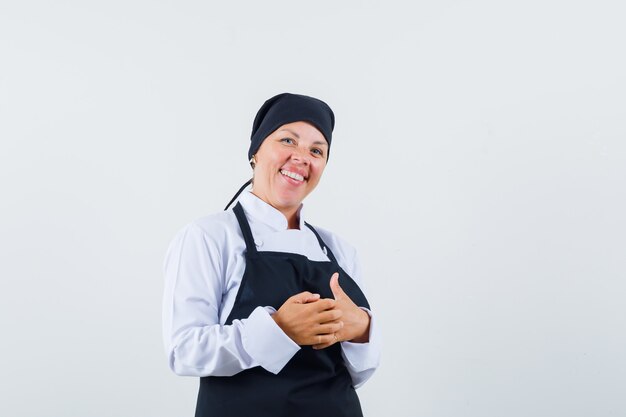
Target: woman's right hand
(309,320)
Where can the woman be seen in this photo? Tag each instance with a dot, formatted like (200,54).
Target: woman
(265,308)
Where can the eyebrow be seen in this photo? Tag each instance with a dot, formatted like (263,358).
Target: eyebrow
(290,131)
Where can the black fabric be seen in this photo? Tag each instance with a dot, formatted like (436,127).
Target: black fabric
(237,193)
(314,383)
(288,108)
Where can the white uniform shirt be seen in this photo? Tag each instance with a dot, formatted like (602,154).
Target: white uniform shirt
(203,268)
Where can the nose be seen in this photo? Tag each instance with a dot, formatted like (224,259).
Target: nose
(301,155)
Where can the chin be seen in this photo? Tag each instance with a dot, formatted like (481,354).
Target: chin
(286,201)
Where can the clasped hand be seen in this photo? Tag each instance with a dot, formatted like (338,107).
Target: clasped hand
(321,322)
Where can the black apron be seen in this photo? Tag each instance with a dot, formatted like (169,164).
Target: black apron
(314,383)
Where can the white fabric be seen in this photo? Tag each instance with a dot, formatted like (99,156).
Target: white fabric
(203,269)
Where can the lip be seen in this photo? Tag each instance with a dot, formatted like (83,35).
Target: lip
(295,170)
(291,181)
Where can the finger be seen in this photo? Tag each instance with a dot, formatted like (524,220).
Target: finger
(334,340)
(329,328)
(335,287)
(322,339)
(325,304)
(329,316)
(312,298)
(323,346)
(305,297)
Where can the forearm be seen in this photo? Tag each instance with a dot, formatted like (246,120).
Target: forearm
(224,350)
(364,329)
(362,358)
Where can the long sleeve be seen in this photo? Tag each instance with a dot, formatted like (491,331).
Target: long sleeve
(361,359)
(195,341)
(204,268)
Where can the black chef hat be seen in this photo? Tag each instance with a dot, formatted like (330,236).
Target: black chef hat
(288,108)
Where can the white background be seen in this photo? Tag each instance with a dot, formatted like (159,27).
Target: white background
(478,165)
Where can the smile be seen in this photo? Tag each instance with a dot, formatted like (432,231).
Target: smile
(292,175)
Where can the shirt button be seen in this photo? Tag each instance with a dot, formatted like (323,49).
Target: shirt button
(325,251)
(259,243)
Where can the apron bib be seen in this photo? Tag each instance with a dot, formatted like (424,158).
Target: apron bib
(314,383)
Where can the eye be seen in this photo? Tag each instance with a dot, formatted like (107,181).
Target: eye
(288,141)
(317,152)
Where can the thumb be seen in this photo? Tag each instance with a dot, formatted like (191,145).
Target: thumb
(335,287)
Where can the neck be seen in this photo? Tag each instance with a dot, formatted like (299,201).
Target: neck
(292,216)
(293,220)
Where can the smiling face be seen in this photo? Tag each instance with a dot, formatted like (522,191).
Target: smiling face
(289,165)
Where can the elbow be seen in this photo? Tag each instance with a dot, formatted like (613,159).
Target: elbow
(176,365)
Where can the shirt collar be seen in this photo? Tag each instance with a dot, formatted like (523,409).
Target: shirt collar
(265,213)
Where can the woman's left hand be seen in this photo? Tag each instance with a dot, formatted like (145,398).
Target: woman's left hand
(356,321)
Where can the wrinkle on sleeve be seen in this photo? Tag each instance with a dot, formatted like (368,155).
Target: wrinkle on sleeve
(361,359)
(195,342)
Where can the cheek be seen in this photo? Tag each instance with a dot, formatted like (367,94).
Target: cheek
(319,170)
(271,162)
(277,160)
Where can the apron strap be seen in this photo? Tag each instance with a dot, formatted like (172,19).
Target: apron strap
(245,228)
(237,194)
(323,245)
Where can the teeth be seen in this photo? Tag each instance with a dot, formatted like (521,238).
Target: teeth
(292,175)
